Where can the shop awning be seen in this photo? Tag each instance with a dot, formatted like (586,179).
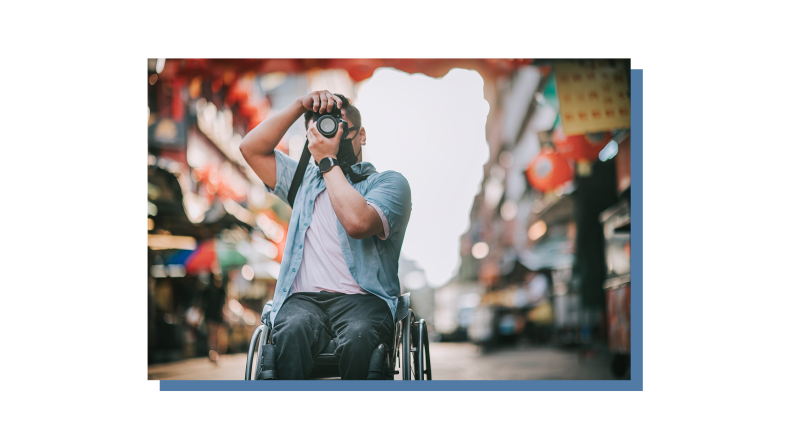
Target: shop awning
(171,213)
(358,69)
(204,257)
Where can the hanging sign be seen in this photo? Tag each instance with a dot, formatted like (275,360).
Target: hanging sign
(593,96)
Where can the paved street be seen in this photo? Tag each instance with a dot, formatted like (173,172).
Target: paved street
(449,361)
(465,361)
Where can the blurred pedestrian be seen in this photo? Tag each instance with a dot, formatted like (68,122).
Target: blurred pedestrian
(214,300)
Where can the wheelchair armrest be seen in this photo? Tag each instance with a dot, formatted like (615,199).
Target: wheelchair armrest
(265,314)
(402,306)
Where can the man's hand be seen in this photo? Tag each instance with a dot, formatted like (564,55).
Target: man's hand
(320,101)
(321,147)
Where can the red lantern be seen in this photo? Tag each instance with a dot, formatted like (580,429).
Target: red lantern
(217,84)
(236,94)
(580,147)
(548,171)
(177,104)
(248,110)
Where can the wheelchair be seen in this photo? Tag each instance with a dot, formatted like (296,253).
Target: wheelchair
(409,350)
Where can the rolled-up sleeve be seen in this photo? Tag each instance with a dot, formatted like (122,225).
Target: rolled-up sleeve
(285,174)
(390,194)
(385,225)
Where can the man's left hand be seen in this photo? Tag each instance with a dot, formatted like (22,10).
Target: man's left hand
(321,147)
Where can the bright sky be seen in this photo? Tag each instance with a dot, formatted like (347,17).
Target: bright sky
(432,132)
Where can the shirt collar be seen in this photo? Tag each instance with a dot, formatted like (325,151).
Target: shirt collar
(364,168)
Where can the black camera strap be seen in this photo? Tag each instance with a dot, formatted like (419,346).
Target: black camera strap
(305,158)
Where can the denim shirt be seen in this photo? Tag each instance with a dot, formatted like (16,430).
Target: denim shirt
(374,263)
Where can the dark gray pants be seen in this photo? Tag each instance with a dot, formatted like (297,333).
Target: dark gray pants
(307,322)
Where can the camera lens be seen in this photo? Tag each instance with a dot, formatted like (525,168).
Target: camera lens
(327,125)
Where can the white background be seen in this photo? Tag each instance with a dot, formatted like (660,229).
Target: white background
(717,232)
(431,131)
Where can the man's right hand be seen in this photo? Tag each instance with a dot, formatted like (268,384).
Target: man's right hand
(258,146)
(320,101)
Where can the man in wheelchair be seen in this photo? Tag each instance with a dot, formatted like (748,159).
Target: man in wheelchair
(338,277)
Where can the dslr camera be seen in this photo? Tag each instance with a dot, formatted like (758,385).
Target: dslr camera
(328,123)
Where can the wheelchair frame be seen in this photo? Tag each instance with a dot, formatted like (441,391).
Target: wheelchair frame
(410,349)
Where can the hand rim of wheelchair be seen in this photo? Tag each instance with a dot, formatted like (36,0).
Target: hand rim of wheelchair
(412,344)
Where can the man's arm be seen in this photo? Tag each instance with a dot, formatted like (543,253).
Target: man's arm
(358,218)
(258,146)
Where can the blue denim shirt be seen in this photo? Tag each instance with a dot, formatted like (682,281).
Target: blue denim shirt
(374,263)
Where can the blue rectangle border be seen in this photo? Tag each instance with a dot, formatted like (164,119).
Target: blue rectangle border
(636,291)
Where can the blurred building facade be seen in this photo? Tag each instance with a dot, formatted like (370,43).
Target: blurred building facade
(422,296)
(545,258)
(216,236)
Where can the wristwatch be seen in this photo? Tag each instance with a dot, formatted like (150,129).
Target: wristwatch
(327,163)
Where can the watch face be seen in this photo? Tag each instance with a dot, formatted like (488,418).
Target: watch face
(326,164)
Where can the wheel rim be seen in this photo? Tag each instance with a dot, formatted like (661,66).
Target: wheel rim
(427,363)
(422,367)
(394,357)
(420,364)
(413,335)
(406,356)
(417,360)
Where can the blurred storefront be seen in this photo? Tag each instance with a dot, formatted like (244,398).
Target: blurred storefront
(559,137)
(215,236)
(616,223)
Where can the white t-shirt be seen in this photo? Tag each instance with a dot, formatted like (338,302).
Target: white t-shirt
(323,266)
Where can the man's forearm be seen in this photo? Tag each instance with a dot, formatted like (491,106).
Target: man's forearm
(263,139)
(355,215)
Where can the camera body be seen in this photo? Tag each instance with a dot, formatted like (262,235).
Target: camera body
(330,122)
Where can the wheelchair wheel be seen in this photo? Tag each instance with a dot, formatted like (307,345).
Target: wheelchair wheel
(423,364)
(260,338)
(419,352)
(415,349)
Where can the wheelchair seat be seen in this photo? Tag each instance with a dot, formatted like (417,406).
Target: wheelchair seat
(410,335)
(328,356)
(330,349)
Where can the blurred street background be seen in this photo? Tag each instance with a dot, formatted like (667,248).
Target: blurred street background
(517,253)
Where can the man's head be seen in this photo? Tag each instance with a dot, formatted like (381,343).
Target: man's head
(351,115)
